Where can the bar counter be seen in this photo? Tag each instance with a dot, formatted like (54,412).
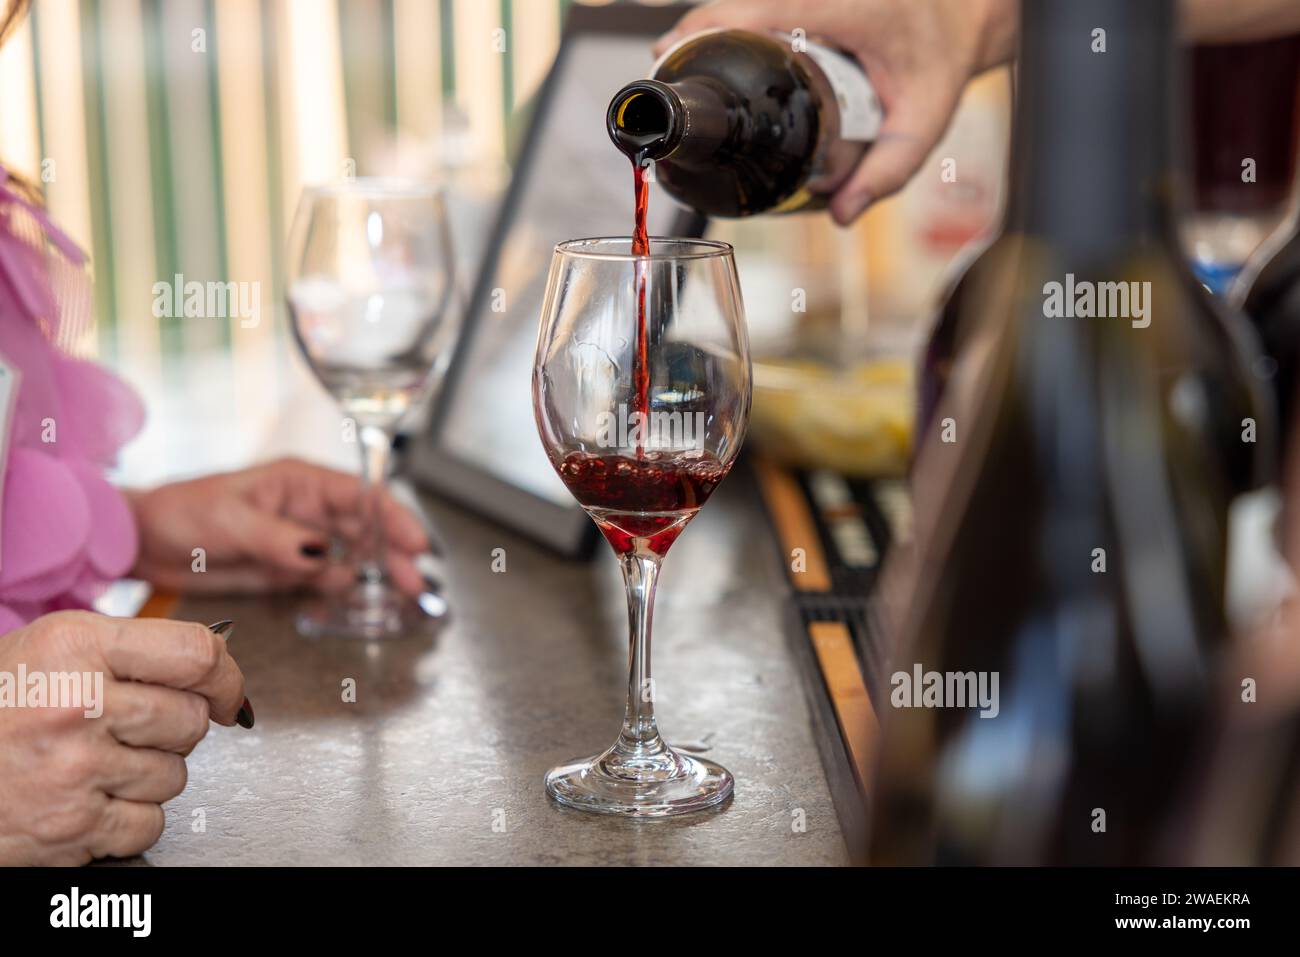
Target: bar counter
(441,757)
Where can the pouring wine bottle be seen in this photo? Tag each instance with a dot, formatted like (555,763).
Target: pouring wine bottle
(1055,629)
(739,123)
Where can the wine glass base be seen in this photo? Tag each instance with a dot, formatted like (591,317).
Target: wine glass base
(670,784)
(369,611)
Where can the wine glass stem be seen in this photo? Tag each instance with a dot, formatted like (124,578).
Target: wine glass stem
(640,734)
(376,446)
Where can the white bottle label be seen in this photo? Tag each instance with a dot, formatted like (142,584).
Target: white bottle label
(861,114)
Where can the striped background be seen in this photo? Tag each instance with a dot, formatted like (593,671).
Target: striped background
(176,134)
(173,136)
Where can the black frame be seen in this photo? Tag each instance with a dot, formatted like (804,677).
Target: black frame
(565,529)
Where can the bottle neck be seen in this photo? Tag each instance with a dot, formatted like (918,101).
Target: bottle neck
(685,122)
(1098,124)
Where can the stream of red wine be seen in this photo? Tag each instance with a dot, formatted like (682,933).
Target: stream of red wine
(641,247)
(640,239)
(641,502)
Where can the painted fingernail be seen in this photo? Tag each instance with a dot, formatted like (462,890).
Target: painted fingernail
(245,716)
(313,550)
(225,629)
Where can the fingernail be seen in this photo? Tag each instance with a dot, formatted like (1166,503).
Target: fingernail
(225,629)
(313,550)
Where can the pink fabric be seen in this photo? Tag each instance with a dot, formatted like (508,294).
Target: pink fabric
(65,533)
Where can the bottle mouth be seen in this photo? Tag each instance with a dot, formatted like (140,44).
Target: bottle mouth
(643,119)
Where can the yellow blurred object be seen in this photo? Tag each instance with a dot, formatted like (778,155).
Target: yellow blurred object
(856,420)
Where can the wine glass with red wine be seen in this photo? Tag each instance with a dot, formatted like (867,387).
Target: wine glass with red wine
(641,389)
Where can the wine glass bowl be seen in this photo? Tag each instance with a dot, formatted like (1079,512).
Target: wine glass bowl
(634,469)
(370,277)
(641,391)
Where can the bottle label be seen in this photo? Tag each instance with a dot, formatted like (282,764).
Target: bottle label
(861,114)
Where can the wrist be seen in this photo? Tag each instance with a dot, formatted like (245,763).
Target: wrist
(135,502)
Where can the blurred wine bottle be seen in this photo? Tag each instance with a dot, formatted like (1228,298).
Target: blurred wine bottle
(739,123)
(1228,354)
(1054,630)
(1244,111)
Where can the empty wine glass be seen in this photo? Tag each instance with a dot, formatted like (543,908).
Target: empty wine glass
(370,275)
(641,390)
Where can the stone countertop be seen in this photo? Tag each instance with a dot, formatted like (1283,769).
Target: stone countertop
(440,759)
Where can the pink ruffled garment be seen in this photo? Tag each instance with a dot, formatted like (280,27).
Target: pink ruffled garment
(65,532)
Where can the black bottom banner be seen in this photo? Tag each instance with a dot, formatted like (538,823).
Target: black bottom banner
(134,906)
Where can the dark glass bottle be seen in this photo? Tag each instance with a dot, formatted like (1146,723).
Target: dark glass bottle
(1227,349)
(740,123)
(1269,290)
(1071,539)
